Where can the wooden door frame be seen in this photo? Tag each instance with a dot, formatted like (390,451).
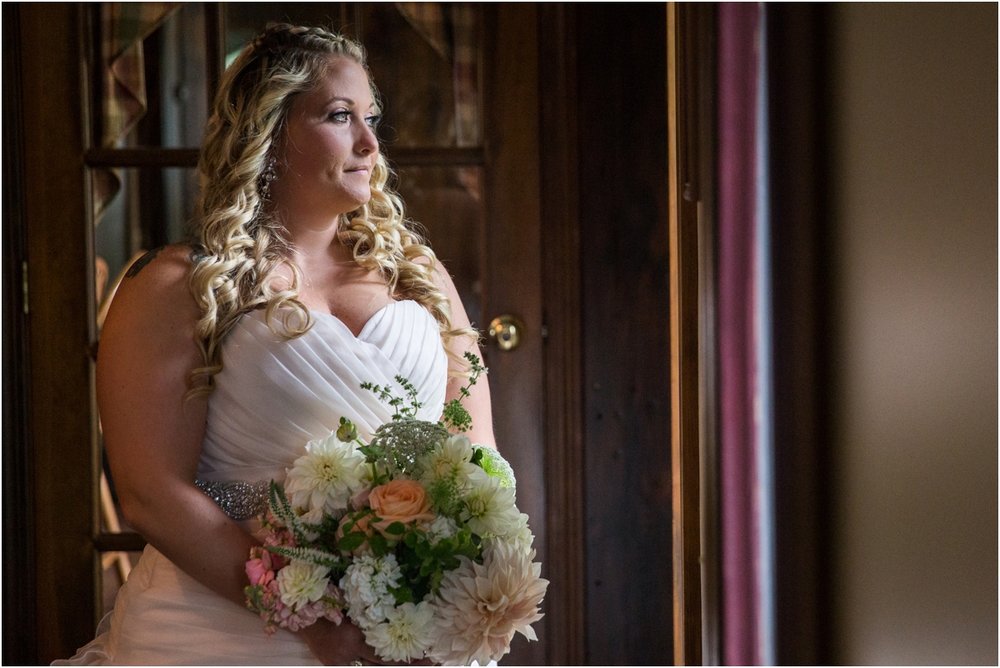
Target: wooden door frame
(60,335)
(18,506)
(691,133)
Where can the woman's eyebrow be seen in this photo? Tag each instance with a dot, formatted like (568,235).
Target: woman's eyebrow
(348,101)
(338,98)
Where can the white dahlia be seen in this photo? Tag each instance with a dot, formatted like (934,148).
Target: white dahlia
(449,461)
(521,535)
(325,478)
(405,634)
(301,583)
(490,508)
(479,608)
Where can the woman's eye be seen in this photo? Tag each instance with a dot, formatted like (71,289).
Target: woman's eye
(340,116)
(373,120)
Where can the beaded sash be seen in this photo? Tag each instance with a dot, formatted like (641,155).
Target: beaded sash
(239,499)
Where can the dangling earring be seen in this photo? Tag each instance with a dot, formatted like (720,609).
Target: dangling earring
(269,174)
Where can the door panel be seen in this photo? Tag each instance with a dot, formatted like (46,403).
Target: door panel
(457,133)
(581,414)
(512,268)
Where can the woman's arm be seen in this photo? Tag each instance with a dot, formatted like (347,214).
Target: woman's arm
(153,435)
(478,401)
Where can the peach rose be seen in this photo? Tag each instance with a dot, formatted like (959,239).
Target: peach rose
(400,501)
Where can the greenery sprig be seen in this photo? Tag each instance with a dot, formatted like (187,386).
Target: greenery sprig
(455,416)
(388,397)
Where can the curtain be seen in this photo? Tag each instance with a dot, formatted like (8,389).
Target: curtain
(738,301)
(124,25)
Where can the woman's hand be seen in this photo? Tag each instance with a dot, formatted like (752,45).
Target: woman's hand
(344,645)
(338,645)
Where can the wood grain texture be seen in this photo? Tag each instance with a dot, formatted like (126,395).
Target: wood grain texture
(61,317)
(626,346)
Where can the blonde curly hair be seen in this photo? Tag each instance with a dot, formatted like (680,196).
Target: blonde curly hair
(239,241)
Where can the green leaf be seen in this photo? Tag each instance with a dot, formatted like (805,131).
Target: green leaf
(402,594)
(308,554)
(396,528)
(282,509)
(378,544)
(351,541)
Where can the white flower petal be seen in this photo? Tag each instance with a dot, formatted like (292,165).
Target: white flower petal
(325,478)
(405,634)
(301,583)
(490,507)
(480,607)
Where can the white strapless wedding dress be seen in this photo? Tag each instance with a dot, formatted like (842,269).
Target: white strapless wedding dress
(273,396)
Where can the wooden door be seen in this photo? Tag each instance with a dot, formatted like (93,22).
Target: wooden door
(469,173)
(527,215)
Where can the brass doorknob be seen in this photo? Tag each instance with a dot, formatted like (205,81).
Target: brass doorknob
(506,331)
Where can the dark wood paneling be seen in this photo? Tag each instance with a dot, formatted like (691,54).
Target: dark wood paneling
(19,562)
(61,330)
(566,599)
(513,265)
(626,349)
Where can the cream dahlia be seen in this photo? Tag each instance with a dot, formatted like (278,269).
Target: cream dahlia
(480,607)
(450,461)
(405,634)
(325,478)
(490,508)
(301,583)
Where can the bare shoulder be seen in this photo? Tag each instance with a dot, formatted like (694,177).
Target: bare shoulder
(161,264)
(154,293)
(438,272)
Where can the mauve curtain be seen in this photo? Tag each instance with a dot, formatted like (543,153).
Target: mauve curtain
(738,61)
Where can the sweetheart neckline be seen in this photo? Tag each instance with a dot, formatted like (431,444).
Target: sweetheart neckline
(360,336)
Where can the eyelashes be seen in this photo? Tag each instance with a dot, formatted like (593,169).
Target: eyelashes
(343,116)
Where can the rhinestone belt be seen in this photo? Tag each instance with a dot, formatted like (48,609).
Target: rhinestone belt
(239,499)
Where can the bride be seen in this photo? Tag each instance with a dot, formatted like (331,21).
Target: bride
(220,360)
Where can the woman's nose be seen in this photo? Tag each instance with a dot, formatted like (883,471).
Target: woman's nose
(367,141)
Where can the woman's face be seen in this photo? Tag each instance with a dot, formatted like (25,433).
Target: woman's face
(326,156)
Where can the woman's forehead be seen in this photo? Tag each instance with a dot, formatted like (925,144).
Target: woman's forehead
(346,80)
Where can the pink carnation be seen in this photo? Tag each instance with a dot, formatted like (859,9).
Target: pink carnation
(259,571)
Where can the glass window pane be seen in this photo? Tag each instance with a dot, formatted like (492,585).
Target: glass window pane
(153,75)
(424,58)
(139,209)
(447,202)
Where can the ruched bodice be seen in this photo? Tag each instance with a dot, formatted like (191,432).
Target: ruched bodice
(273,396)
(276,394)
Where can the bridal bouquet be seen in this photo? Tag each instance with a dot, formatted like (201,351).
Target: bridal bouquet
(415,536)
